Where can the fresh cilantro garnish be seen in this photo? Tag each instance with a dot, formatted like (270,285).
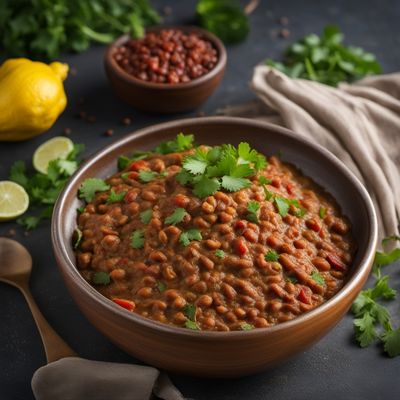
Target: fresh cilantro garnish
(252,208)
(78,238)
(137,239)
(325,59)
(147,176)
(80,210)
(318,278)
(292,279)
(219,253)
(263,180)
(101,278)
(180,143)
(283,206)
(177,216)
(145,216)
(186,237)
(220,167)
(115,197)
(161,286)
(244,326)
(124,161)
(389,239)
(125,175)
(189,310)
(382,258)
(272,256)
(373,320)
(43,189)
(322,212)
(90,186)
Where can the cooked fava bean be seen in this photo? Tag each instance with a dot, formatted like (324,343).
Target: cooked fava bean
(260,255)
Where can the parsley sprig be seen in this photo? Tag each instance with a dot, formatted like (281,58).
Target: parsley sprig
(221,167)
(373,320)
(190,313)
(177,216)
(186,237)
(43,189)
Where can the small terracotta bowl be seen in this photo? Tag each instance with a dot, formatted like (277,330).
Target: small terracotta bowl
(218,354)
(164,97)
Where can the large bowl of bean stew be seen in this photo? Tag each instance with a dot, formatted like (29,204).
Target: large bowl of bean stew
(230,242)
(171,69)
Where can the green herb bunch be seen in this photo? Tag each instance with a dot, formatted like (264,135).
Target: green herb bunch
(43,29)
(326,59)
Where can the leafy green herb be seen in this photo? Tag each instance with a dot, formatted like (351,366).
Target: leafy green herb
(115,197)
(80,210)
(292,279)
(90,186)
(226,167)
(137,239)
(219,253)
(46,29)
(145,216)
(78,238)
(264,181)
(177,216)
(180,143)
(161,286)
(322,212)
(101,278)
(325,59)
(382,259)
(190,312)
(373,320)
(147,176)
(244,326)
(252,208)
(43,189)
(192,234)
(284,204)
(124,161)
(318,278)
(271,255)
(389,239)
(225,18)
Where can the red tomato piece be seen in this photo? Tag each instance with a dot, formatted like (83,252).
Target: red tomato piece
(336,262)
(138,165)
(130,196)
(240,247)
(289,188)
(127,304)
(303,296)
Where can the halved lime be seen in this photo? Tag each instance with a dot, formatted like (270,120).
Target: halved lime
(57,147)
(14,200)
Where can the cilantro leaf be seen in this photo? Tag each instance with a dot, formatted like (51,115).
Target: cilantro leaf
(382,289)
(190,311)
(180,143)
(272,256)
(101,278)
(78,237)
(30,222)
(382,259)
(115,197)
(161,286)
(233,184)
(322,212)
(390,238)
(205,187)
(137,239)
(365,330)
(191,325)
(219,253)
(252,208)
(18,173)
(318,278)
(282,205)
(247,155)
(244,326)
(147,176)
(177,216)
(90,186)
(194,165)
(67,167)
(145,216)
(391,341)
(264,181)
(124,161)
(192,234)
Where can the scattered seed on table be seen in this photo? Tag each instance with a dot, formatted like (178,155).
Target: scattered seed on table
(126,121)
(12,232)
(284,21)
(109,132)
(82,114)
(67,131)
(284,33)
(200,114)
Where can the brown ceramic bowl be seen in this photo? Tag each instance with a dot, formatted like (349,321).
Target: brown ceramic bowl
(218,354)
(163,97)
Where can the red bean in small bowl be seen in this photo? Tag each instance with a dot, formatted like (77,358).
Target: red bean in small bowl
(171,69)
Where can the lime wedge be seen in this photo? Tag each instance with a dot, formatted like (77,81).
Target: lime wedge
(14,200)
(57,147)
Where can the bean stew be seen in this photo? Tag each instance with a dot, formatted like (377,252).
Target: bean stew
(211,238)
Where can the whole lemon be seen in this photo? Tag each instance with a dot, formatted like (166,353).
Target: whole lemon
(32,97)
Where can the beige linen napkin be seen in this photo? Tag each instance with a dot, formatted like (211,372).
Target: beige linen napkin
(75,378)
(359,123)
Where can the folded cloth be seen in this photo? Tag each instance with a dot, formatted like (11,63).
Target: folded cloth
(359,123)
(75,378)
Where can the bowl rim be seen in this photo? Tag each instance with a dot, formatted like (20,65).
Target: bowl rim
(68,267)
(112,65)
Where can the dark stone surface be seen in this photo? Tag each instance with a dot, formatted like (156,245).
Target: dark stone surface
(335,367)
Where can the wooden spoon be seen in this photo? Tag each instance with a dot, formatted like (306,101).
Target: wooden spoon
(15,269)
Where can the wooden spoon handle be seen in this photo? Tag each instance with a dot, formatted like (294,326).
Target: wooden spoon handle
(54,346)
